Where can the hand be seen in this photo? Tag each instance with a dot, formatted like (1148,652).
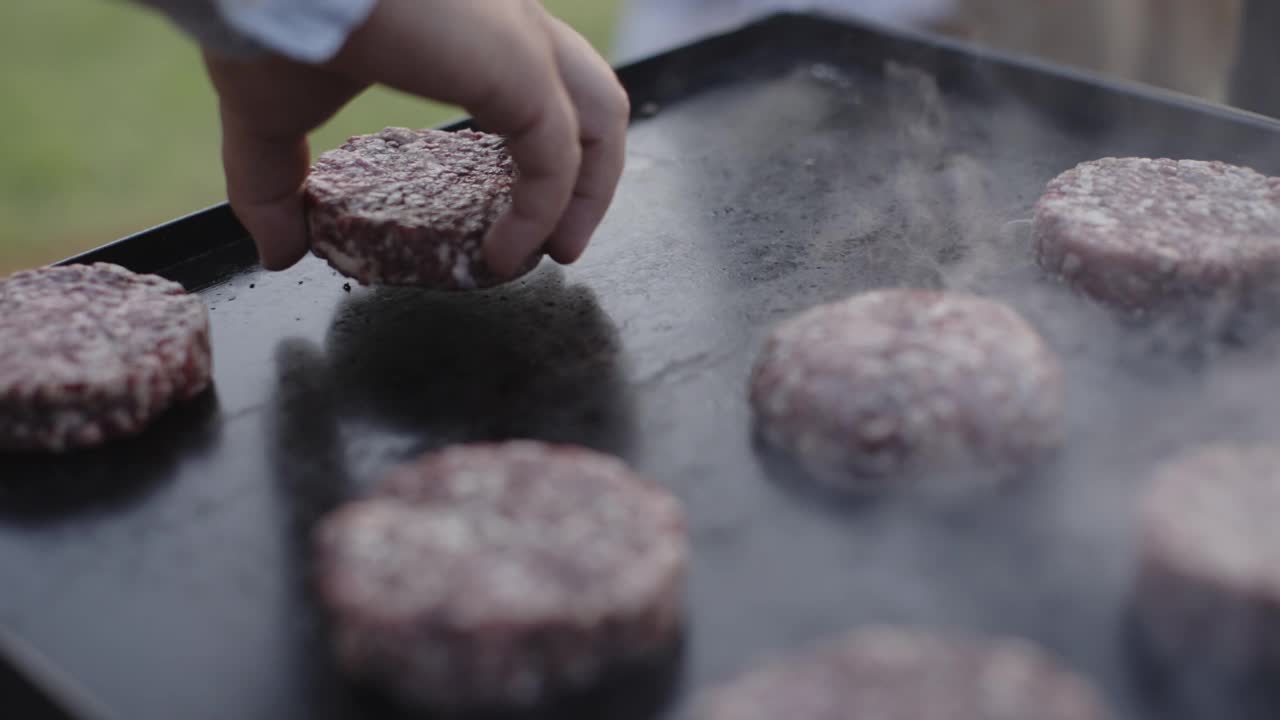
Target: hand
(518,71)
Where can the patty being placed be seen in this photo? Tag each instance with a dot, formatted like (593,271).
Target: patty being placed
(500,576)
(89,353)
(890,673)
(1138,233)
(411,207)
(902,381)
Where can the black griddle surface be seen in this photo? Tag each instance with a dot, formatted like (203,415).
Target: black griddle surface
(791,163)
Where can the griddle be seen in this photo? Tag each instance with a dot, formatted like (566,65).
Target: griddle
(791,162)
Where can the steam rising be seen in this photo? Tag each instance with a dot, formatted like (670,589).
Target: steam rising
(870,179)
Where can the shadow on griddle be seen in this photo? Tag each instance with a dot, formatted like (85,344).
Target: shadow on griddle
(537,359)
(640,692)
(1190,335)
(956,488)
(1192,688)
(309,464)
(37,487)
(307,453)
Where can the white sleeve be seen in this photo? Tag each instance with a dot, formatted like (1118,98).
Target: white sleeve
(310,31)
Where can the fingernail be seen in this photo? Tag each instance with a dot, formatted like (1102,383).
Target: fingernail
(568,247)
(502,250)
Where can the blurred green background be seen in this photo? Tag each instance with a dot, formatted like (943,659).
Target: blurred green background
(109,124)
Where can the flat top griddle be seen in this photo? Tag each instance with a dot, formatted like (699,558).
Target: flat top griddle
(793,162)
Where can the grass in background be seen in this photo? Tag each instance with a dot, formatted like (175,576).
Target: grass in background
(110,126)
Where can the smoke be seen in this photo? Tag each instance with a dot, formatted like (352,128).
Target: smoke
(1141,388)
(831,180)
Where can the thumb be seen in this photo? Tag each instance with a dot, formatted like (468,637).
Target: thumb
(264,176)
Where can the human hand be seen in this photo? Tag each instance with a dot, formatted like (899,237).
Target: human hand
(520,73)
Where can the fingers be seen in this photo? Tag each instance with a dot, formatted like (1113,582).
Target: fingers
(495,60)
(267,107)
(542,136)
(265,162)
(521,75)
(264,185)
(603,112)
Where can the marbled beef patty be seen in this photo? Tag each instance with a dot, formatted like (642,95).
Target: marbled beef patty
(896,381)
(1209,563)
(1139,233)
(500,576)
(89,353)
(410,207)
(890,673)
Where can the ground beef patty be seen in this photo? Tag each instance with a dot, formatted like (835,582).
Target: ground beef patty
(902,380)
(1138,233)
(93,352)
(500,576)
(906,674)
(1209,570)
(410,207)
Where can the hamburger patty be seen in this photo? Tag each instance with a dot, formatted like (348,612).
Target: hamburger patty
(892,673)
(1138,233)
(1209,565)
(499,576)
(892,381)
(89,353)
(410,207)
